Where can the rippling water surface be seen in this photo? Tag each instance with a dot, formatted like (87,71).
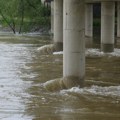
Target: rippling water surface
(23,70)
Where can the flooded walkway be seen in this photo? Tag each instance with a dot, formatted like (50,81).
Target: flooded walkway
(23,70)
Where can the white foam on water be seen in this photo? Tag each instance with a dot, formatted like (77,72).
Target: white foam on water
(45,46)
(71,110)
(15,117)
(93,52)
(48,82)
(112,91)
(58,53)
(42,47)
(96,52)
(31,34)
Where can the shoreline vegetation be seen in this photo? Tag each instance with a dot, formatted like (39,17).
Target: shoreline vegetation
(21,16)
(24,16)
(38,29)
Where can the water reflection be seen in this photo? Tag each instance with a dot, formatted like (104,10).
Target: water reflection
(23,70)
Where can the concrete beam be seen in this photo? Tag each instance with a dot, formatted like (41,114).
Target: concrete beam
(89,20)
(58,25)
(107,26)
(118,19)
(52,17)
(74,43)
(94,1)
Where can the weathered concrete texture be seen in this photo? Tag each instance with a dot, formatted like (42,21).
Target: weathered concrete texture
(52,17)
(58,46)
(107,26)
(107,47)
(58,22)
(118,19)
(74,42)
(89,42)
(89,20)
(72,81)
(93,1)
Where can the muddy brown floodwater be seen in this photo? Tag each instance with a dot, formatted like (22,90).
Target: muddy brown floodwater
(23,72)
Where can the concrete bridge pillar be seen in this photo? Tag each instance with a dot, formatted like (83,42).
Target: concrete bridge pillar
(107,26)
(89,20)
(58,25)
(74,43)
(52,17)
(118,19)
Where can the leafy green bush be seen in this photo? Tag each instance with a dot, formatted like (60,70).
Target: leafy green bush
(23,15)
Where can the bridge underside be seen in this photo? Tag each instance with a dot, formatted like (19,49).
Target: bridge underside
(72,21)
(94,1)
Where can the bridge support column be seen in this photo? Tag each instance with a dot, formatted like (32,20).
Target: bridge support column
(74,43)
(58,25)
(118,19)
(89,20)
(52,17)
(107,26)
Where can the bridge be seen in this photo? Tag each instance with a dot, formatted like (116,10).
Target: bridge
(71,21)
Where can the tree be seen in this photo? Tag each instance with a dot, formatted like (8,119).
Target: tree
(22,14)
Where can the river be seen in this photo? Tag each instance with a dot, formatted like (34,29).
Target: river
(23,72)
